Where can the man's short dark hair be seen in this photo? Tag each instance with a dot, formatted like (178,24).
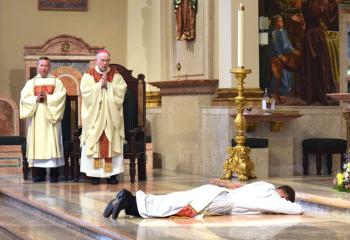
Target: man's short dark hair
(44,58)
(275,18)
(289,192)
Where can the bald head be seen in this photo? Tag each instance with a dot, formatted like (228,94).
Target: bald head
(102,60)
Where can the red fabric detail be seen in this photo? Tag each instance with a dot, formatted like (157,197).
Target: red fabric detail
(187,211)
(97,76)
(104,145)
(48,89)
(108,159)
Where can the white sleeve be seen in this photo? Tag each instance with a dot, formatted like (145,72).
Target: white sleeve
(54,106)
(28,104)
(116,90)
(272,204)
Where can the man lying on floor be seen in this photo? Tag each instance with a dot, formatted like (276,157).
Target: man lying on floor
(253,198)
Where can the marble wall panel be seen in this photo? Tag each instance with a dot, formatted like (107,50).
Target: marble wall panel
(192,138)
(216,135)
(322,122)
(260,157)
(178,135)
(153,116)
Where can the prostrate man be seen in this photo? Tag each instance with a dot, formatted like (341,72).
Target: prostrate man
(103,91)
(254,198)
(42,103)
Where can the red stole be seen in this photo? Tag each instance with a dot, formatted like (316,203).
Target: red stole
(97,76)
(48,89)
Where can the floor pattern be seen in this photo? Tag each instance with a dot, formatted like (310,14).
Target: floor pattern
(83,203)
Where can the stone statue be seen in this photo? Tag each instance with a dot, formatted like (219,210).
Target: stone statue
(185,11)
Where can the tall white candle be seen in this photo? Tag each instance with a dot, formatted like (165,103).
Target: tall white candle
(240,34)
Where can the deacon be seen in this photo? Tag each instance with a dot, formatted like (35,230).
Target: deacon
(102,138)
(42,103)
(253,198)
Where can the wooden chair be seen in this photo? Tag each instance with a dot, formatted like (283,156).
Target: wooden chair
(69,124)
(134,120)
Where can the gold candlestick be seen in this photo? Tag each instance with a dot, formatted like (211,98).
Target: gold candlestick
(239,162)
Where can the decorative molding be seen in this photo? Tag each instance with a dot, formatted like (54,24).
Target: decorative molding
(70,57)
(63,57)
(56,48)
(62,45)
(226,96)
(153,99)
(186,87)
(275,118)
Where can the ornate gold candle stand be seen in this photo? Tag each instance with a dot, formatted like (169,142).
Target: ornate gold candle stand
(239,162)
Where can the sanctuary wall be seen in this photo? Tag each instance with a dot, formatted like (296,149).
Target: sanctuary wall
(199,142)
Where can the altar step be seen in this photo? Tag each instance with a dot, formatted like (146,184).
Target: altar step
(315,205)
(18,221)
(10,159)
(23,220)
(23,215)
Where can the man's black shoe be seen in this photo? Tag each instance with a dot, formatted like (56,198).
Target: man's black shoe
(124,198)
(38,174)
(95,181)
(39,179)
(108,210)
(122,201)
(54,173)
(112,180)
(53,179)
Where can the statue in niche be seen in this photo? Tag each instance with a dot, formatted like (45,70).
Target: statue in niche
(185,11)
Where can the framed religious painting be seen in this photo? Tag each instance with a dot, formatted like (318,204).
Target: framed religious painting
(63,5)
(299,57)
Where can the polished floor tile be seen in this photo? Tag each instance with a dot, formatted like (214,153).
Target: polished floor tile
(83,203)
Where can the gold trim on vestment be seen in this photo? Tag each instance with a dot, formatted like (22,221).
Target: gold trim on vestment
(108,167)
(98,163)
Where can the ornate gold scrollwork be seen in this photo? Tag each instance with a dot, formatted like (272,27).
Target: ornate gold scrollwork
(65,47)
(239,163)
(276,126)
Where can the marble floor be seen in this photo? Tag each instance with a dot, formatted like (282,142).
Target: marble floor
(69,210)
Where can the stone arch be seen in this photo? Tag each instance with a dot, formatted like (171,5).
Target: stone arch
(70,78)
